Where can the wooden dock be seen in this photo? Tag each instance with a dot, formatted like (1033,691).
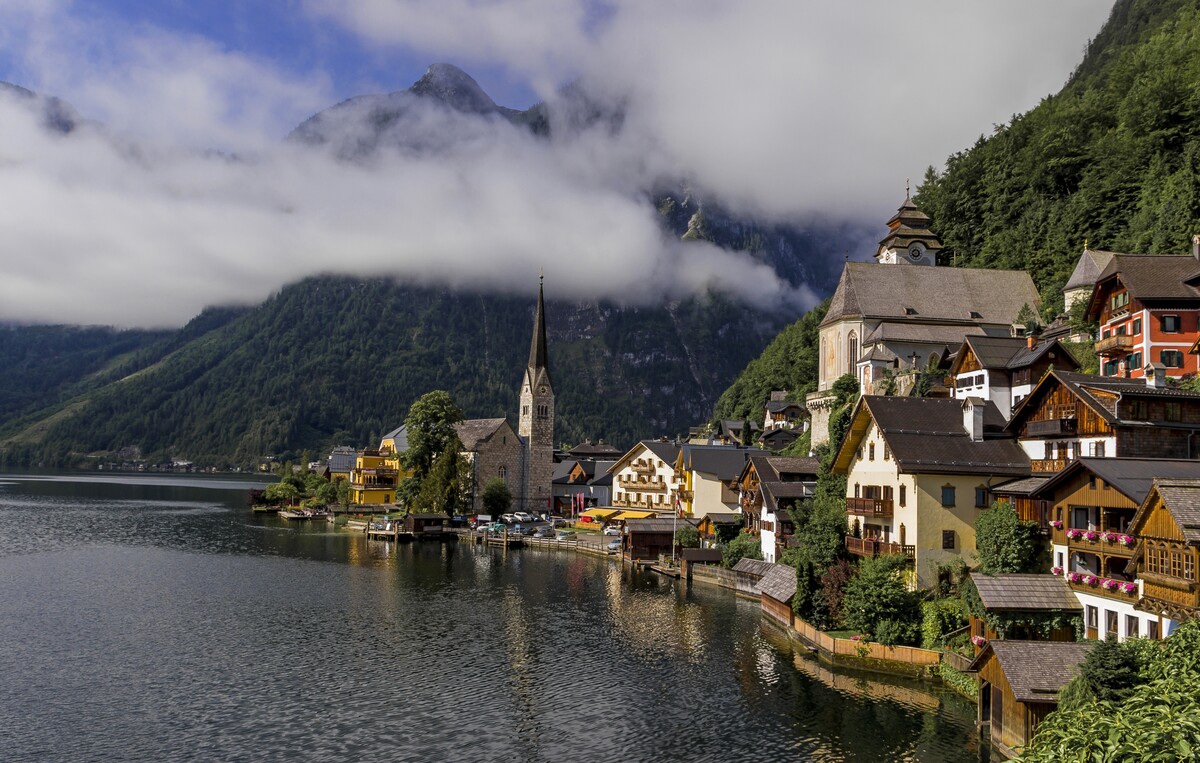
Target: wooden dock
(396,534)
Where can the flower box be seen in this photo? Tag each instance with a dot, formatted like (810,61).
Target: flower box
(1074,577)
(1129,587)
(1127,540)
(1108,584)
(978,640)
(1108,537)
(1091,535)
(1056,524)
(1074,534)
(1089,580)
(1056,570)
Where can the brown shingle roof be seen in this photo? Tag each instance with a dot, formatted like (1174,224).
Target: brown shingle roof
(1154,276)
(1025,592)
(779,583)
(753,567)
(1132,477)
(1091,264)
(926,435)
(794,466)
(1097,393)
(472,432)
(925,333)
(1036,670)
(935,293)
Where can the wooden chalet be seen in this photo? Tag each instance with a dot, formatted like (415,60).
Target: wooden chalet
(1019,602)
(1167,525)
(425,524)
(1004,369)
(1019,682)
(769,487)
(777,587)
(1069,415)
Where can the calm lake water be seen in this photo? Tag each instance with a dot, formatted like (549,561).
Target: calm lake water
(156,619)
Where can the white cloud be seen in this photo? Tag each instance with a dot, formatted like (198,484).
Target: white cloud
(786,109)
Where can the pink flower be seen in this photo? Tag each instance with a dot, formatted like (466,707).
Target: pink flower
(1109,585)
(856,637)
(1091,535)
(1056,570)
(1055,523)
(1129,587)
(1074,534)
(1128,540)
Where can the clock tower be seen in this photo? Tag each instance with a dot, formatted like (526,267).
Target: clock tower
(536,422)
(909,240)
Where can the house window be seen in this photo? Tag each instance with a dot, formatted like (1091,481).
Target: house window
(887,452)
(947,539)
(1105,334)
(981,501)
(948,495)
(1139,410)
(1098,451)
(1110,622)
(1134,361)
(1173,411)
(904,495)
(871,452)
(1171,358)
(1170,324)
(1120,300)
(1131,626)
(857,490)
(1093,617)
(1058,559)
(1137,326)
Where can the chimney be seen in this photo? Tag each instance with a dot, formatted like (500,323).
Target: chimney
(1196,245)
(1156,376)
(1030,341)
(973,418)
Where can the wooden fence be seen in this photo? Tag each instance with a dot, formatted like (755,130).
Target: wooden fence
(864,649)
(716,575)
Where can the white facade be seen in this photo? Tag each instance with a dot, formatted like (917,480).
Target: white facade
(1069,448)
(643,480)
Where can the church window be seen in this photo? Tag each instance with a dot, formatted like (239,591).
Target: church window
(851,351)
(524,410)
(503,472)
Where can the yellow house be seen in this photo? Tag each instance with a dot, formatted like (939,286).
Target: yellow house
(918,473)
(374,478)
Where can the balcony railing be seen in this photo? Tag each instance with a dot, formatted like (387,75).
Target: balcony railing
(869,507)
(1098,588)
(1049,465)
(1118,343)
(1054,427)
(1111,542)
(872,548)
(641,483)
(643,467)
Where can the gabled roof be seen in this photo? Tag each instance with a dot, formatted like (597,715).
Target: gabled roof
(1153,276)
(1084,386)
(666,452)
(399,436)
(922,333)
(656,525)
(1036,670)
(781,468)
(1011,353)
(926,435)
(1025,592)
(753,567)
(589,449)
(474,432)
(1021,486)
(1131,477)
(774,492)
(775,406)
(1181,498)
(342,458)
(779,583)
(725,462)
(1091,264)
(935,294)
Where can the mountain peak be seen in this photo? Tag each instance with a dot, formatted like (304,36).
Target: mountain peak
(454,88)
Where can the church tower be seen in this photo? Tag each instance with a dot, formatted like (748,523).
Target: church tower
(909,240)
(536,423)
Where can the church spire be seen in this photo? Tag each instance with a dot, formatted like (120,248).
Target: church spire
(537,348)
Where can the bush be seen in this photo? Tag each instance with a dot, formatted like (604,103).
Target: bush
(744,546)
(1005,543)
(496,497)
(878,602)
(687,537)
(939,617)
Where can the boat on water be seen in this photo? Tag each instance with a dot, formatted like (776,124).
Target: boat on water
(301,514)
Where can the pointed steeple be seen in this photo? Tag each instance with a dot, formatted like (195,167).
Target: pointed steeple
(537,348)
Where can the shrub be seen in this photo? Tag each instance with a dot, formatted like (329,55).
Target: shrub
(744,546)
(939,617)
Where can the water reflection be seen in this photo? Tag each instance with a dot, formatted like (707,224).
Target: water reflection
(164,622)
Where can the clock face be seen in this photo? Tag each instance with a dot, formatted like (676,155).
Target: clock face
(542,389)
(915,252)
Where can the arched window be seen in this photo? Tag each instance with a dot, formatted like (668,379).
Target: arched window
(503,472)
(851,352)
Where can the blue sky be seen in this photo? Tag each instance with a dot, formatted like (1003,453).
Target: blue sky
(784,111)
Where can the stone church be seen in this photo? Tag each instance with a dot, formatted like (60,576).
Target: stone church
(524,458)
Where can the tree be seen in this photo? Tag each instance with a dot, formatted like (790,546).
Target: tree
(282,492)
(744,546)
(1109,673)
(687,537)
(444,489)
(877,601)
(496,497)
(1005,543)
(430,424)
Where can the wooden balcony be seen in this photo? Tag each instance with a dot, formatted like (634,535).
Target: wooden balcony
(869,507)
(1049,465)
(643,467)
(1099,590)
(1052,427)
(872,548)
(631,482)
(1115,345)
(1098,545)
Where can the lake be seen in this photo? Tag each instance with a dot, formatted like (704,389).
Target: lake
(154,618)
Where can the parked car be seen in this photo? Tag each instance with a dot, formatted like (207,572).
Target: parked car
(614,545)
(527,530)
(543,532)
(561,522)
(612,530)
(522,516)
(565,535)
(508,519)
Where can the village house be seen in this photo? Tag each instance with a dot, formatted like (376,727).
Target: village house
(1068,415)
(1004,369)
(782,413)
(1167,526)
(581,485)
(707,477)
(1148,308)
(341,463)
(374,478)
(644,478)
(777,439)
(903,313)
(1092,538)
(918,474)
(1019,682)
(768,487)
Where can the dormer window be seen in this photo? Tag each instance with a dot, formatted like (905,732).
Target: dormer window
(910,311)
(975,315)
